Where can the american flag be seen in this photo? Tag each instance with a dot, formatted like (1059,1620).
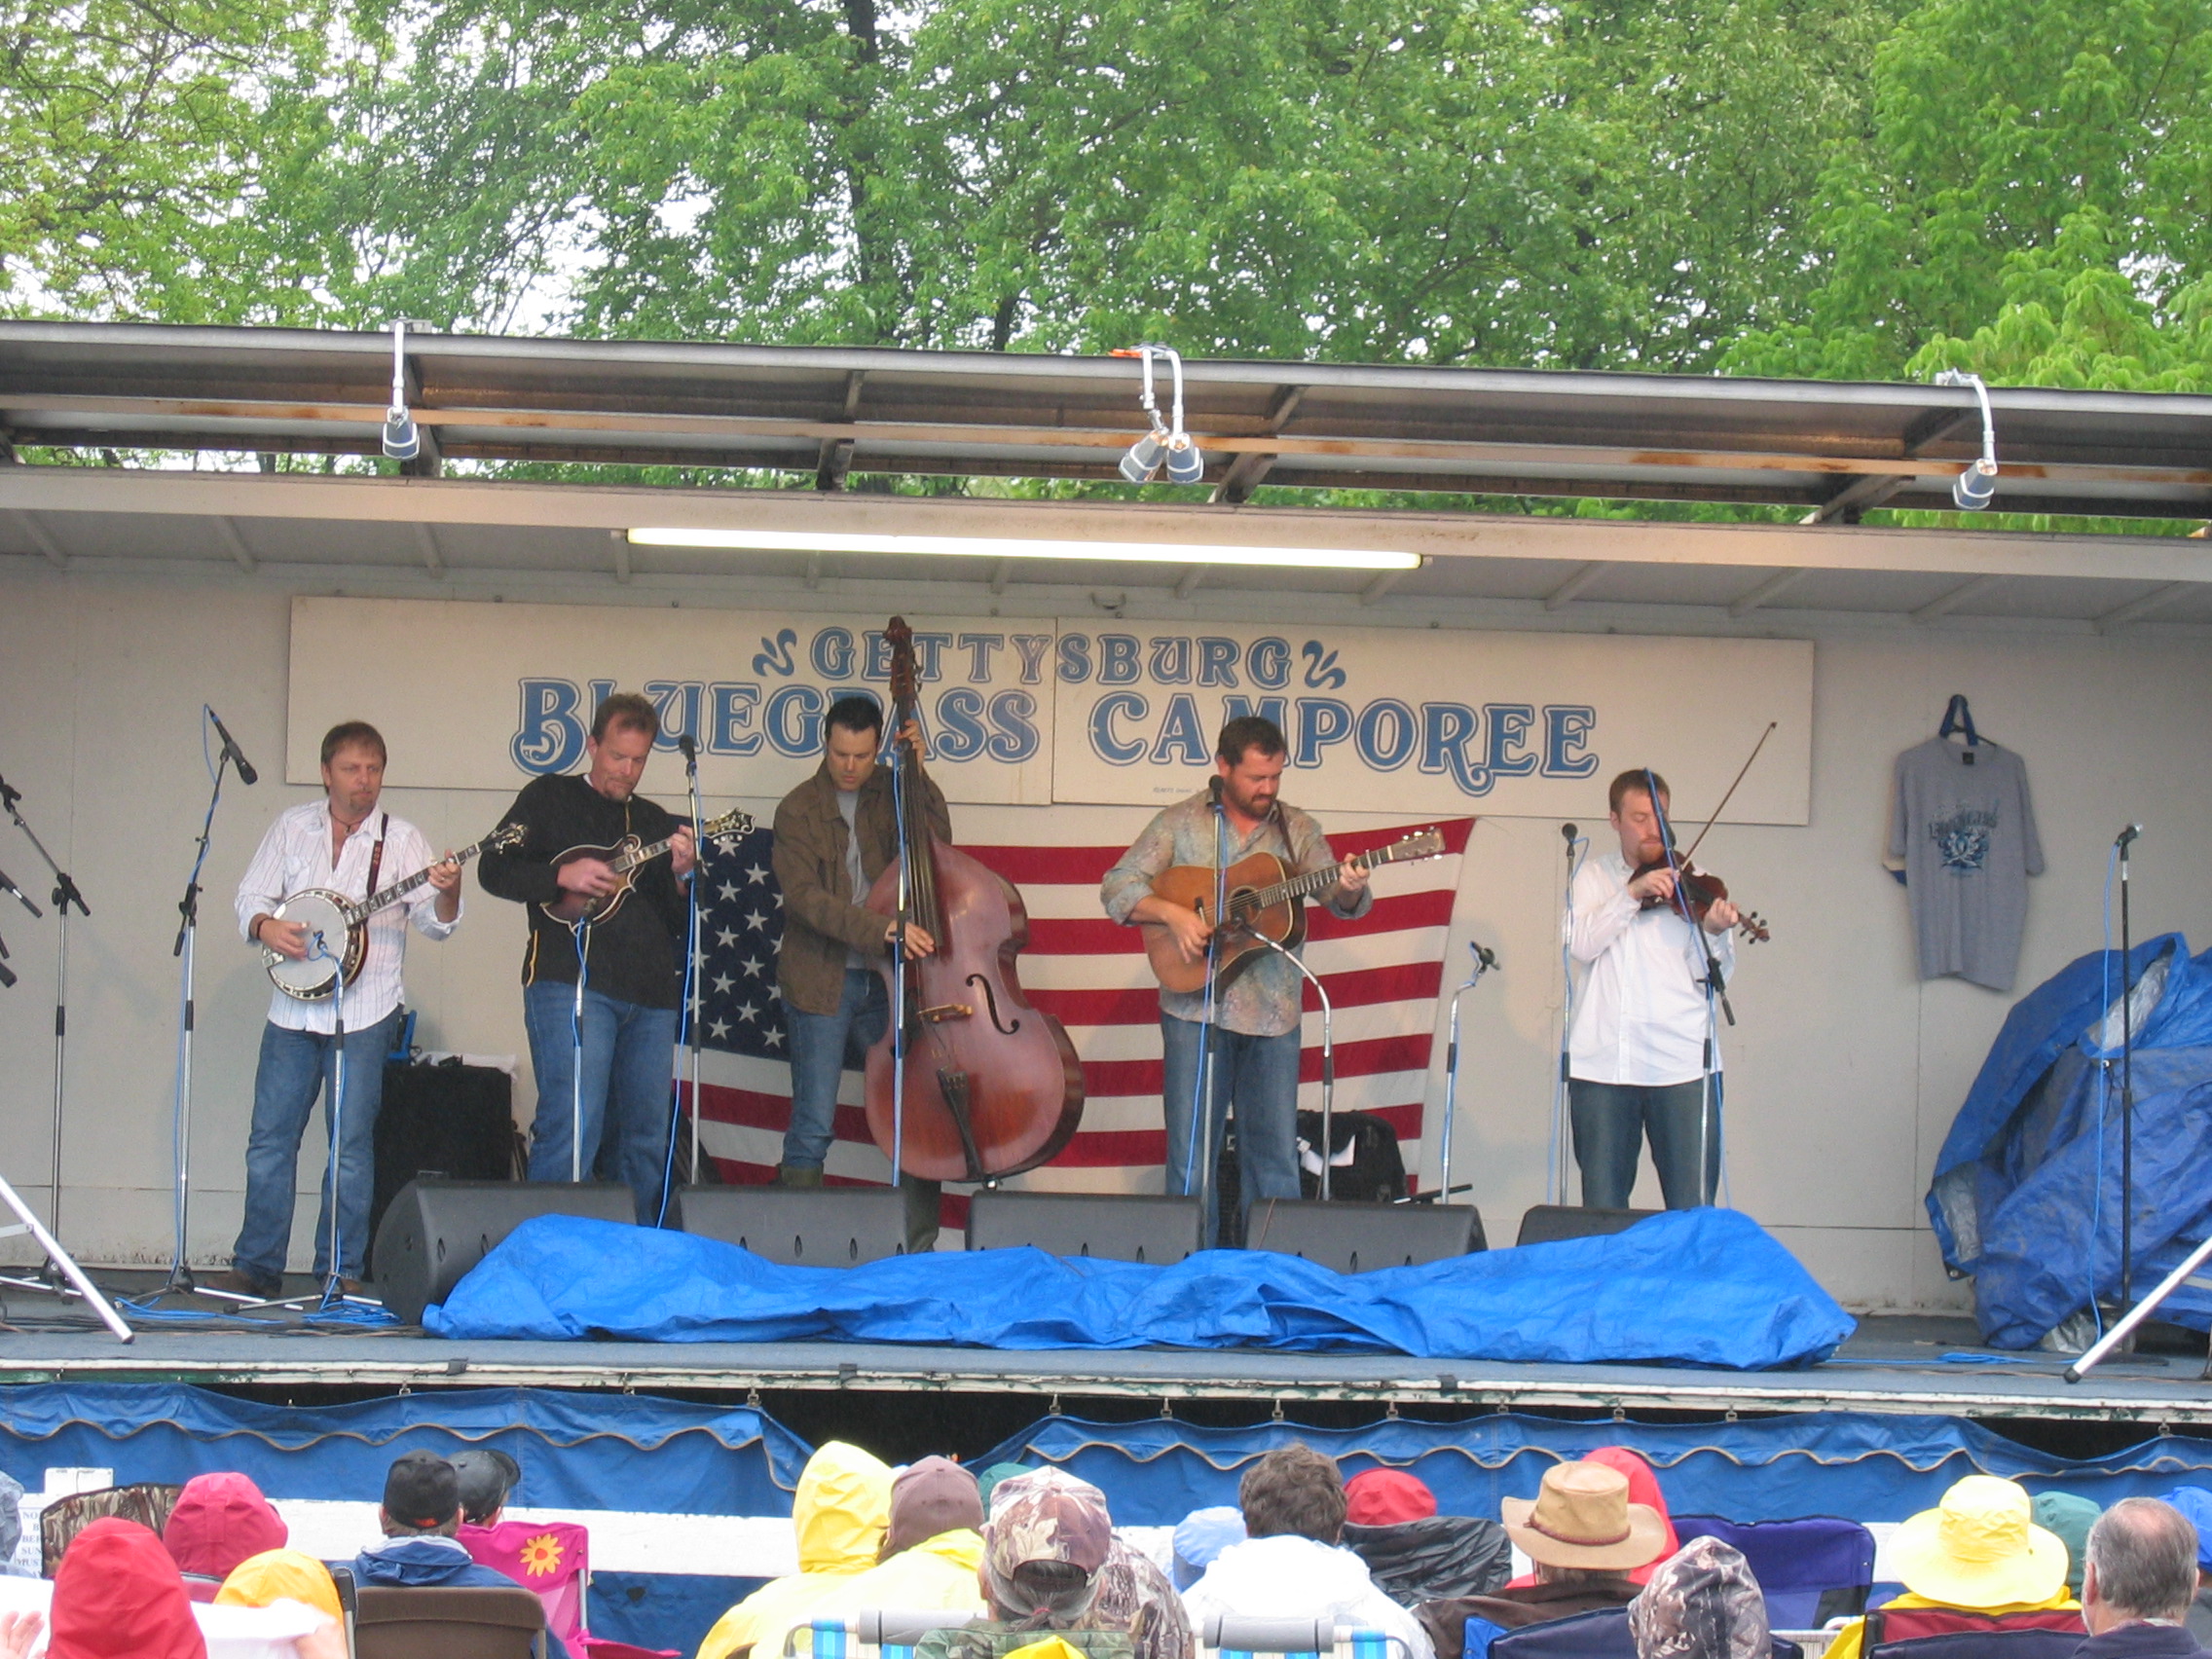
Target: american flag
(1384,973)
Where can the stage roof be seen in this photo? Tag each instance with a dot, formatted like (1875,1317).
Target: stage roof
(791,426)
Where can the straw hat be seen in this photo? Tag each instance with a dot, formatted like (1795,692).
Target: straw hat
(1582,1518)
(1980,1548)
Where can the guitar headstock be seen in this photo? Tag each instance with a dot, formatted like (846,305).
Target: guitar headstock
(1421,844)
(726,830)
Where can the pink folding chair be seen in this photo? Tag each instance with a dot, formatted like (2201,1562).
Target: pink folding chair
(553,1560)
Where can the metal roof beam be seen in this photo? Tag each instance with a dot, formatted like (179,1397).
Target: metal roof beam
(1773,588)
(1573,588)
(226,533)
(1248,471)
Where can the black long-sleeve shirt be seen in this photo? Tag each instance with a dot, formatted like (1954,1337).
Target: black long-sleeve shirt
(636,955)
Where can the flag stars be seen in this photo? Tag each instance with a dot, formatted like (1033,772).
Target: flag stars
(728,890)
(755,920)
(755,874)
(722,936)
(718,1029)
(723,984)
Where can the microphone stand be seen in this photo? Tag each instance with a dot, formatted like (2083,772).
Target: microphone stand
(66,894)
(1197,1159)
(2124,842)
(899,969)
(698,955)
(1485,960)
(1328,1054)
(1555,1178)
(180,1280)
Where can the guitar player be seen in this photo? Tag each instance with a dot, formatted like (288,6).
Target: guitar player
(1255,1016)
(345,842)
(631,960)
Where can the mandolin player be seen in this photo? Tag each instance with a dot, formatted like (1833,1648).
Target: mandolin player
(345,842)
(1638,1053)
(1255,1014)
(631,960)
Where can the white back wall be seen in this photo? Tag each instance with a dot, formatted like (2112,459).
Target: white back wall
(1844,1072)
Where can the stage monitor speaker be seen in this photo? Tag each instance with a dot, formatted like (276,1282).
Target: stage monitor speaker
(1360,1237)
(811,1227)
(449,1123)
(1120,1227)
(1547,1224)
(436,1231)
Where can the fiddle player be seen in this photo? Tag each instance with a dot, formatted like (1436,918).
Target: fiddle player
(1255,1034)
(835,833)
(1640,1049)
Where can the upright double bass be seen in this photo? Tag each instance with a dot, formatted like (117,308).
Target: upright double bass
(992,1084)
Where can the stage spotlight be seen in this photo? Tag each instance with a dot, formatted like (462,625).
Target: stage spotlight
(1167,440)
(1974,487)
(402,439)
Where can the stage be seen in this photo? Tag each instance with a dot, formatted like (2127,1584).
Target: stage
(1913,1364)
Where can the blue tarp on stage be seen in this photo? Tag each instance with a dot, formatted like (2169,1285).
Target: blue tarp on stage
(577,1452)
(2026,1190)
(1705,1287)
(1863,1466)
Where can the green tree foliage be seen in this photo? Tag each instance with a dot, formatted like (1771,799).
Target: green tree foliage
(2034,202)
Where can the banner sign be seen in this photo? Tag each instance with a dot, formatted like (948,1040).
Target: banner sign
(1025,712)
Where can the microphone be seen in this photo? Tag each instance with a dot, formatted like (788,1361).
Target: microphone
(1213,789)
(7,974)
(2126,835)
(1483,954)
(8,796)
(689,744)
(246,773)
(7,886)
(1569,832)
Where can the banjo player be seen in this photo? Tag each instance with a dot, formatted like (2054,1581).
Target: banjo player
(345,842)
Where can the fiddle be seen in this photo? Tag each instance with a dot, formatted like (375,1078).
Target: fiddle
(1696,890)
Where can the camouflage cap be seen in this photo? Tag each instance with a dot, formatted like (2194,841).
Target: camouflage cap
(1044,1521)
(1702,1602)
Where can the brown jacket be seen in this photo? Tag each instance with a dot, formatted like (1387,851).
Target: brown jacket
(1446,1621)
(821,923)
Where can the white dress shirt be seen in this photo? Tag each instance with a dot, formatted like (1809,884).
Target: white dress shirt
(1640,1017)
(295,854)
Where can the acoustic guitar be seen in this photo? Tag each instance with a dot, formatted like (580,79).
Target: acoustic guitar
(1263,899)
(624,859)
(330,916)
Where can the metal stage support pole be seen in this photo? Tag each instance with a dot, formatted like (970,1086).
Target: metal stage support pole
(28,1223)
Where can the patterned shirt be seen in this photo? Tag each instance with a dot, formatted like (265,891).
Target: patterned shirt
(295,854)
(1264,1000)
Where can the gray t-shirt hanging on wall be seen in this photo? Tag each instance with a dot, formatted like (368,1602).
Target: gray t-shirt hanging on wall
(1962,824)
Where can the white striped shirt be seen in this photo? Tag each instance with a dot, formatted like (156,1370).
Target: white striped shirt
(294,855)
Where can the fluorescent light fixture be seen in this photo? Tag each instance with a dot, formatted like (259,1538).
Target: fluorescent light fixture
(1030,547)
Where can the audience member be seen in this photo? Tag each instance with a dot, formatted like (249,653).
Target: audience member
(1978,1551)
(421,1514)
(932,1554)
(1644,1489)
(987,1481)
(2068,1519)
(839,1512)
(1701,1603)
(2140,1581)
(1201,1535)
(219,1521)
(118,1595)
(2195,1504)
(1293,1564)
(486,1476)
(1415,1554)
(1135,1594)
(1585,1537)
(1045,1546)
(281,1576)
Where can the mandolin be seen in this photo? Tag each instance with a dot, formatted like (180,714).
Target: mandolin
(1263,899)
(581,910)
(330,916)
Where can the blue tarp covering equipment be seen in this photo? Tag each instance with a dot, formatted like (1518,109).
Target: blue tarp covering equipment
(1860,1466)
(1705,1287)
(2026,1191)
(577,1452)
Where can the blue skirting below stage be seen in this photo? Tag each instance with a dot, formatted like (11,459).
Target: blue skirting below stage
(1705,1287)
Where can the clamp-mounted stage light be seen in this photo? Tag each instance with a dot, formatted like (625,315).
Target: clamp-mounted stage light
(402,440)
(1973,489)
(1167,441)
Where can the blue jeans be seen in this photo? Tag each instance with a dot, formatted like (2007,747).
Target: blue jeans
(1610,1123)
(295,1067)
(1260,1076)
(629,1074)
(822,1047)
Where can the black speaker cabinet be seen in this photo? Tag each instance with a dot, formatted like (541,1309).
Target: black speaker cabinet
(1116,1226)
(1547,1224)
(1360,1237)
(441,1123)
(436,1231)
(810,1227)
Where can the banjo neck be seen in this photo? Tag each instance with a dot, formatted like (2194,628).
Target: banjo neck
(359,910)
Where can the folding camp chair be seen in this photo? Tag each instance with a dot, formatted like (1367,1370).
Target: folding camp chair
(1229,1636)
(1811,1571)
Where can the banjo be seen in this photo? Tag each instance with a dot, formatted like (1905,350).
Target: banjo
(578,910)
(332,916)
